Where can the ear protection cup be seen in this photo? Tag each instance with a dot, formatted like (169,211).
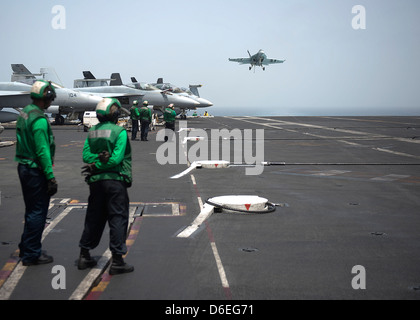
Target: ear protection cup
(116,115)
(50,95)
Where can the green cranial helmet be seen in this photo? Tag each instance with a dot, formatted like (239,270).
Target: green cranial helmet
(43,90)
(104,106)
(108,109)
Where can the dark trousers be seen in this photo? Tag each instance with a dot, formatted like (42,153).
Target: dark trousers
(169,126)
(108,202)
(144,129)
(34,189)
(134,129)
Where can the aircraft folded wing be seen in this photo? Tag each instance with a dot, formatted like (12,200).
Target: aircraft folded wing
(266,62)
(241,60)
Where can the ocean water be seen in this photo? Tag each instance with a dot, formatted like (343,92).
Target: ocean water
(310,111)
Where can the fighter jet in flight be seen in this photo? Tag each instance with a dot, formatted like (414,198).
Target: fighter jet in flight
(257,60)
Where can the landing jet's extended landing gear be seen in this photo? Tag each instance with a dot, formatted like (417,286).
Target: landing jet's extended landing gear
(263,68)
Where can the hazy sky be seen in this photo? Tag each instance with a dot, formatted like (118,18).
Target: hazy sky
(330,68)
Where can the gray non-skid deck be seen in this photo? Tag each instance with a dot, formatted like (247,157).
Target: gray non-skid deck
(348,195)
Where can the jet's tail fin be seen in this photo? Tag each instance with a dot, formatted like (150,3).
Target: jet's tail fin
(194,89)
(88,75)
(90,80)
(20,69)
(136,84)
(22,74)
(160,81)
(116,80)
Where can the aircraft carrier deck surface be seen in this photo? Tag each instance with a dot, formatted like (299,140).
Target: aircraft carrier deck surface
(346,224)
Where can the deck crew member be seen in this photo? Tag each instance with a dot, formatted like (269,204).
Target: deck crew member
(107,152)
(134,116)
(35,150)
(169,117)
(145,120)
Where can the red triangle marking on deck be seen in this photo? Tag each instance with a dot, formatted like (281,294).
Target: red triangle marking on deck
(247,206)
(216,165)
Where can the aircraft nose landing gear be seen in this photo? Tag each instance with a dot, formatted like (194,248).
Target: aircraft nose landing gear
(183,115)
(59,120)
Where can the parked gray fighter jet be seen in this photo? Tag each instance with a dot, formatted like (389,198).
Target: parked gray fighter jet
(17,95)
(191,93)
(84,97)
(73,103)
(259,59)
(183,92)
(140,91)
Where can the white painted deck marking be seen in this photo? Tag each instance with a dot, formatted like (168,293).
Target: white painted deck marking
(367,135)
(10,284)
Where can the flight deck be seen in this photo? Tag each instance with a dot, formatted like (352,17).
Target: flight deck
(345,226)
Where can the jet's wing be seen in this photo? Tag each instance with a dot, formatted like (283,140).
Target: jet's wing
(266,62)
(14,99)
(241,60)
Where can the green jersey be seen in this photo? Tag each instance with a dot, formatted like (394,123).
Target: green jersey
(107,136)
(35,145)
(169,115)
(145,114)
(134,113)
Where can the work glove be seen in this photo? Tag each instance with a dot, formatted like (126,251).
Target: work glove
(104,156)
(52,187)
(88,169)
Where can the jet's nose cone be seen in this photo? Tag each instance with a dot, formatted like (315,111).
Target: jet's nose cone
(184,102)
(94,98)
(204,103)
